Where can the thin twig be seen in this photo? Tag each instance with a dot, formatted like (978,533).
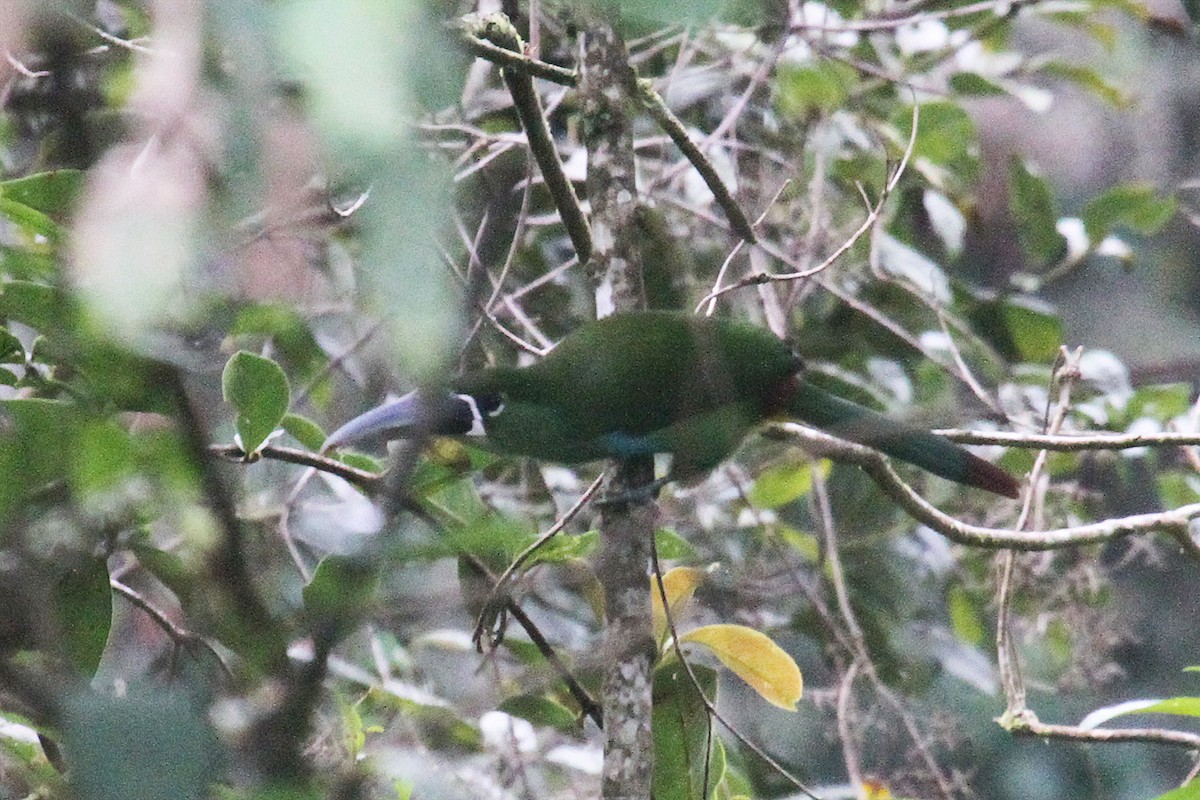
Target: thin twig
(497,29)
(487,614)
(891,23)
(473,28)
(369,482)
(861,654)
(1071,442)
(877,466)
(873,215)
(181,636)
(1027,724)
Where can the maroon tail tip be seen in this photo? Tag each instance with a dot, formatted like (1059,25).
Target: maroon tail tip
(987,476)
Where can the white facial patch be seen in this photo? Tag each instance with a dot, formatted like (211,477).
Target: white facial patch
(476,418)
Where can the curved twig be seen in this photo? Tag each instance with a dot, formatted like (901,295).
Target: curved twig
(877,466)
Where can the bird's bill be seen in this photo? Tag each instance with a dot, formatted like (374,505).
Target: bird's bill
(393,420)
(451,415)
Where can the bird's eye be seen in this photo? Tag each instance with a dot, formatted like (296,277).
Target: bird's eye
(491,404)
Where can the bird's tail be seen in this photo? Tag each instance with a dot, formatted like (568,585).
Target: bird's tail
(820,409)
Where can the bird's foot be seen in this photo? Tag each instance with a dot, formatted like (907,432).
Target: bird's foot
(636,495)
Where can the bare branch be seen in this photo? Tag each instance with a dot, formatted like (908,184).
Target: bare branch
(1071,442)
(876,465)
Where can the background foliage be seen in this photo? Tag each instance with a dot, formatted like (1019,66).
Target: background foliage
(236,220)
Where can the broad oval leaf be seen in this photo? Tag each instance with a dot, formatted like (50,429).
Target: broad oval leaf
(1133,205)
(1036,212)
(541,710)
(11,349)
(83,600)
(52,193)
(258,391)
(342,589)
(1033,329)
(964,616)
(681,729)
(35,304)
(903,262)
(779,485)
(671,545)
(754,658)
(304,430)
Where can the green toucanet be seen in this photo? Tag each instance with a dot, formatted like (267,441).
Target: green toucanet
(657,382)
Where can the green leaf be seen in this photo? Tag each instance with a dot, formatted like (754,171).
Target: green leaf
(148,745)
(168,568)
(1192,7)
(1034,330)
(1182,706)
(1177,488)
(1090,80)
(342,589)
(671,546)
(1191,790)
(29,220)
(681,731)
(258,390)
(83,600)
(803,542)
(362,461)
(972,83)
(964,616)
(304,430)
(1135,206)
(354,730)
(34,304)
(45,433)
(289,332)
(103,455)
(565,547)
(1160,401)
(946,138)
(11,349)
(779,485)
(1036,212)
(27,263)
(541,710)
(493,537)
(52,193)
(805,90)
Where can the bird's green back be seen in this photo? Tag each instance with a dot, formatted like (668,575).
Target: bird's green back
(639,383)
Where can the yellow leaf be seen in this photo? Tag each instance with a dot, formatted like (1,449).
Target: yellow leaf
(754,658)
(875,790)
(679,584)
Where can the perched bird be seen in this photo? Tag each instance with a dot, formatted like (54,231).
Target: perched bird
(650,382)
